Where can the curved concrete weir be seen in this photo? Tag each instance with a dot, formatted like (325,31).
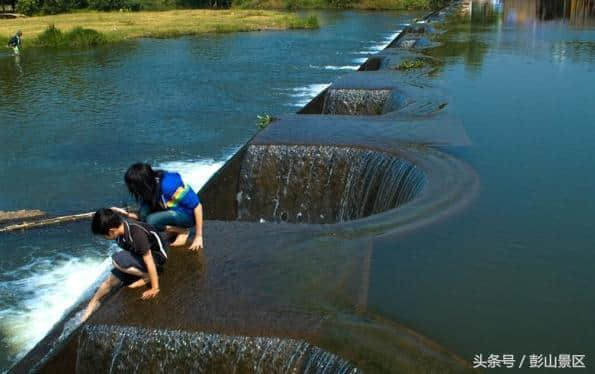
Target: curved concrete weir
(356,102)
(116,349)
(359,187)
(376,94)
(322,184)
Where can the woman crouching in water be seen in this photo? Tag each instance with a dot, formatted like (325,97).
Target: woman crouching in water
(166,203)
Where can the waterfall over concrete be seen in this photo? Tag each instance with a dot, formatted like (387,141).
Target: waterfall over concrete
(115,349)
(355,102)
(323,184)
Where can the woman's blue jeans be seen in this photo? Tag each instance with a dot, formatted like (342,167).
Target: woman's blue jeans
(164,218)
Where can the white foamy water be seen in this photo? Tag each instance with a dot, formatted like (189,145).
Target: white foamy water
(48,288)
(377,46)
(304,94)
(392,36)
(385,42)
(335,67)
(195,173)
(360,60)
(344,67)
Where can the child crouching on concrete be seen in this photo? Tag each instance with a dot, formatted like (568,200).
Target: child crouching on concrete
(144,254)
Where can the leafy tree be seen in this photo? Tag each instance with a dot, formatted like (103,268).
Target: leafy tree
(28,7)
(106,5)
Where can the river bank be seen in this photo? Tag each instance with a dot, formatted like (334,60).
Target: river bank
(102,27)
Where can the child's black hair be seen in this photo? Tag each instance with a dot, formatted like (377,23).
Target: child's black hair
(141,180)
(104,220)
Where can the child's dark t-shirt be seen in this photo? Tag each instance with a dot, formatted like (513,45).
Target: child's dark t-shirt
(139,237)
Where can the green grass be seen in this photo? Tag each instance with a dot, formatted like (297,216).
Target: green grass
(89,28)
(411,64)
(310,22)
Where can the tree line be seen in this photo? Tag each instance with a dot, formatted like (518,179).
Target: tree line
(34,7)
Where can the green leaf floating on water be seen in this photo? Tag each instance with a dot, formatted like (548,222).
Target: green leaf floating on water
(264,120)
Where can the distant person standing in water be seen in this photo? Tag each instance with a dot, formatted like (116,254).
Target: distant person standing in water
(167,203)
(15,42)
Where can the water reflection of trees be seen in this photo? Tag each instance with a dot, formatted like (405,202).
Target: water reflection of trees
(462,38)
(484,13)
(582,13)
(464,35)
(472,51)
(578,13)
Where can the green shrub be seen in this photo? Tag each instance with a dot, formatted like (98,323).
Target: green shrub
(263,121)
(221,29)
(50,37)
(254,4)
(133,5)
(203,3)
(157,4)
(341,3)
(310,22)
(28,7)
(411,64)
(437,4)
(84,38)
(107,5)
(76,38)
(292,4)
(57,6)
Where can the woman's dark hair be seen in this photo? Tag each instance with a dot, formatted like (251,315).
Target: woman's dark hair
(103,220)
(142,183)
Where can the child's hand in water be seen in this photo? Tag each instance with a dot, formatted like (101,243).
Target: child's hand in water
(88,311)
(149,294)
(85,316)
(196,244)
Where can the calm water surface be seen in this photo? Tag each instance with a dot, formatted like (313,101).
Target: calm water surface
(513,273)
(71,122)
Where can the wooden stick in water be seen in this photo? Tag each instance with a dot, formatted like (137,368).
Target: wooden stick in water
(20,214)
(46,222)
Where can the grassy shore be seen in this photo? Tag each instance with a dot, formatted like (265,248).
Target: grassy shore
(104,27)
